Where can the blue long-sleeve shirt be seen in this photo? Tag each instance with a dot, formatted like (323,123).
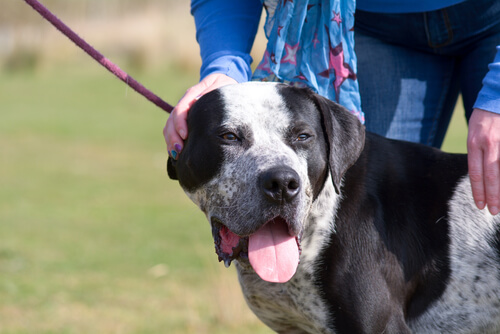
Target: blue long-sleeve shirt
(489,96)
(226,29)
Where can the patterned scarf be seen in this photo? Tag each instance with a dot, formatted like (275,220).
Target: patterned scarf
(311,44)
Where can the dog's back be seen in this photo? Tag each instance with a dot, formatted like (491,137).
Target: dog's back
(408,224)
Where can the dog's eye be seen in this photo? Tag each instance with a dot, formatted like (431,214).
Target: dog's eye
(303,137)
(229,136)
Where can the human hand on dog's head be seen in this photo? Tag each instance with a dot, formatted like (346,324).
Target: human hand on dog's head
(175,130)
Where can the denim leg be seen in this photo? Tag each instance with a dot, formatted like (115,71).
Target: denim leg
(406,94)
(421,61)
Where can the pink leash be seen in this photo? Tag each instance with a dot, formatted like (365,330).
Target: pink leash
(122,75)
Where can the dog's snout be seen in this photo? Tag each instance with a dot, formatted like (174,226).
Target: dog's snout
(280,184)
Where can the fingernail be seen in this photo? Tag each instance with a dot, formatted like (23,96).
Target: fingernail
(173,154)
(480,205)
(198,97)
(494,210)
(182,133)
(178,147)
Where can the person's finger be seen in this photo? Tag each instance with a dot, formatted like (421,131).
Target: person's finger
(475,162)
(173,140)
(181,110)
(491,181)
(175,130)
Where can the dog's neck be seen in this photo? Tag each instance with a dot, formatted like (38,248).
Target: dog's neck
(320,222)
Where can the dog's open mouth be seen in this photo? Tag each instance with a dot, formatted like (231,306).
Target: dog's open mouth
(272,251)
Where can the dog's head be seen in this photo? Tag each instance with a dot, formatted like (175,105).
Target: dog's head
(257,156)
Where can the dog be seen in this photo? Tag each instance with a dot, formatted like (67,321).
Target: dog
(334,229)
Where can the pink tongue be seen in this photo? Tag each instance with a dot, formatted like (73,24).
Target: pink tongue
(273,252)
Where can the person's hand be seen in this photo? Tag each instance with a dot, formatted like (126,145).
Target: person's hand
(175,131)
(483,146)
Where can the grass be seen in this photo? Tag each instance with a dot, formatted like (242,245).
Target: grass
(94,237)
(455,140)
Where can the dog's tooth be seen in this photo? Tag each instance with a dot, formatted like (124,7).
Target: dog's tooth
(227,263)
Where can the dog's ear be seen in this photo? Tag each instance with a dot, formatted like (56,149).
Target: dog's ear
(345,136)
(171,170)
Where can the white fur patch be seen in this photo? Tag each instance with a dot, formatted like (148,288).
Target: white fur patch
(260,106)
(470,303)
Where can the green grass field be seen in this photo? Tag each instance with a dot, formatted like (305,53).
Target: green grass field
(94,237)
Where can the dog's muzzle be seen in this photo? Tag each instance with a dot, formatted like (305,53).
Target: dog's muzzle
(272,251)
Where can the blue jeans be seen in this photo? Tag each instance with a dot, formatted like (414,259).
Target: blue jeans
(412,67)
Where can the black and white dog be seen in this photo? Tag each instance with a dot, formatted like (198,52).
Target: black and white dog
(334,230)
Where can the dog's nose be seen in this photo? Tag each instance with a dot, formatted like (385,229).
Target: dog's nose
(280,184)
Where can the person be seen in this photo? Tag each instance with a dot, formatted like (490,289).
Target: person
(415,57)
(311,43)
(308,41)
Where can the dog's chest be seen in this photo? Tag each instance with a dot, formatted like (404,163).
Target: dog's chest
(292,307)
(296,306)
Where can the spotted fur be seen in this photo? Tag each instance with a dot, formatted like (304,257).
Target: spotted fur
(391,240)
(471,301)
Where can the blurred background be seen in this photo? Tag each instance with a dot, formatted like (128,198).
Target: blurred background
(94,237)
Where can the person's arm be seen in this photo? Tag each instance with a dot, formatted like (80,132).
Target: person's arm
(483,142)
(225,31)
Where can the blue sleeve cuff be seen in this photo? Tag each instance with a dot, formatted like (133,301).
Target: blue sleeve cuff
(233,64)
(488,102)
(489,96)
